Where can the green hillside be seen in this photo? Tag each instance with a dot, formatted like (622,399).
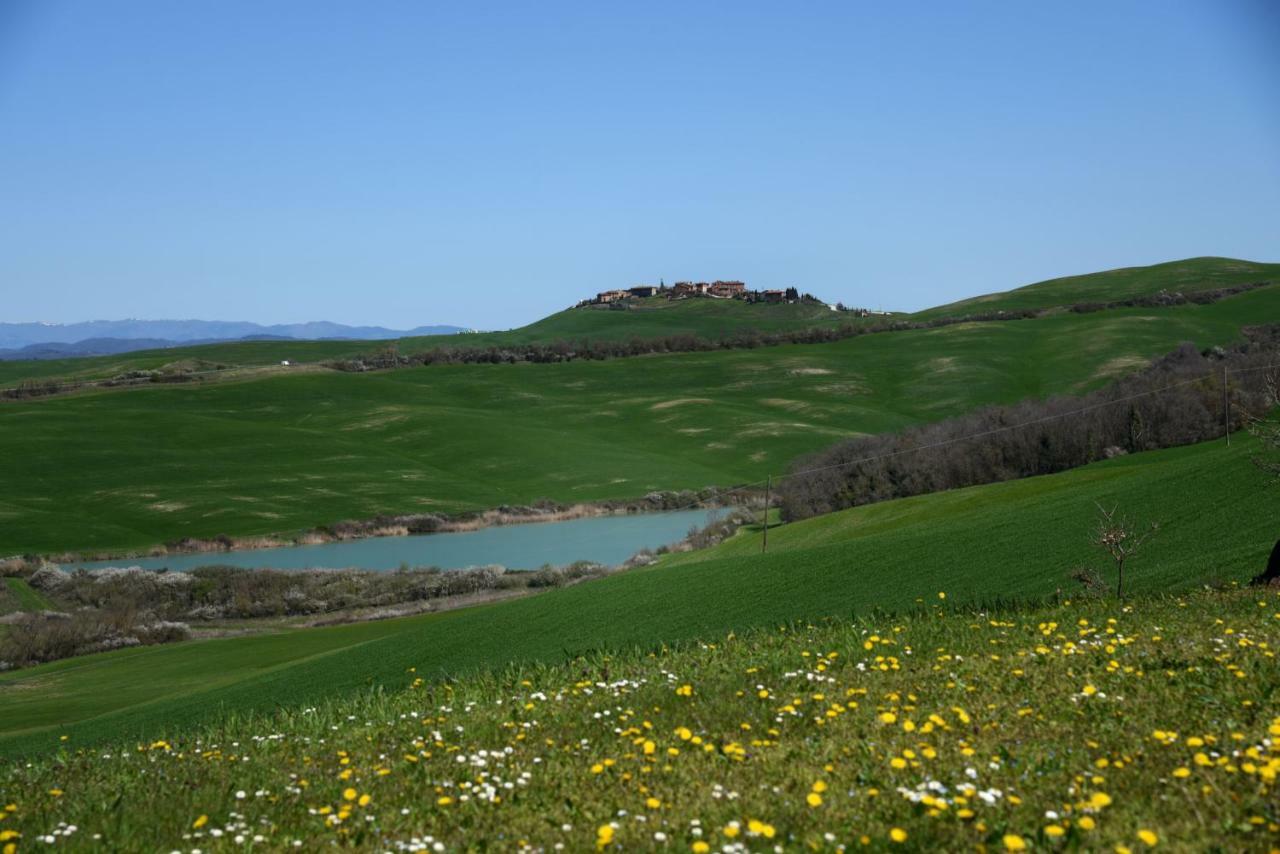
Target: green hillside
(1186,276)
(1013,540)
(121,470)
(653,318)
(1079,725)
(646,318)
(657,317)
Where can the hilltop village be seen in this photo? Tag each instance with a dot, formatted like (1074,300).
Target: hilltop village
(719,289)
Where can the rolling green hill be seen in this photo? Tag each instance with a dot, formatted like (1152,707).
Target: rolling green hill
(652,318)
(1187,276)
(287,451)
(1016,540)
(646,318)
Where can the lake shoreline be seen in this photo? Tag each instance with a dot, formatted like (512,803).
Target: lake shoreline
(423,524)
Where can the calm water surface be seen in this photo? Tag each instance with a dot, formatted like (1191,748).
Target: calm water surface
(605,539)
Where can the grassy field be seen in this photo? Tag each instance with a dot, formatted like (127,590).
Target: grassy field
(1079,725)
(125,470)
(1015,540)
(650,318)
(17,595)
(1185,276)
(657,318)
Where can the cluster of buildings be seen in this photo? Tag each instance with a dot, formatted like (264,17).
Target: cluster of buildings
(718,289)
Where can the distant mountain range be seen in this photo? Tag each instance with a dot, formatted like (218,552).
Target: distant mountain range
(108,337)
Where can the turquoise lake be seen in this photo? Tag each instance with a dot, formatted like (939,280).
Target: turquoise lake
(604,539)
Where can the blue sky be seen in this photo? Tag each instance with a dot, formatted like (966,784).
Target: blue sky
(407,163)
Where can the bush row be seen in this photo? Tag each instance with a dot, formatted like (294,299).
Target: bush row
(1177,400)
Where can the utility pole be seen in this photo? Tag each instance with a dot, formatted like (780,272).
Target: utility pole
(1226,406)
(768,487)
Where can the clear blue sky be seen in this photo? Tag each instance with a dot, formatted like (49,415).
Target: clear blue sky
(406,163)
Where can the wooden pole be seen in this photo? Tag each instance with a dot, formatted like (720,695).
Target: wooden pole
(1226,406)
(768,488)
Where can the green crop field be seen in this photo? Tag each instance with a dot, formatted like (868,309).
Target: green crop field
(1186,276)
(116,470)
(1078,725)
(651,318)
(648,318)
(1017,540)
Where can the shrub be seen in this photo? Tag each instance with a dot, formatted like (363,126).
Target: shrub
(1177,400)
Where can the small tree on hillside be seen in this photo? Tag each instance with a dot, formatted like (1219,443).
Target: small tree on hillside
(1268,435)
(1121,539)
(1268,459)
(1268,431)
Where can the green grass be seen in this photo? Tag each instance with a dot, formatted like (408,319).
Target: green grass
(1078,725)
(126,470)
(1186,276)
(1014,540)
(649,318)
(658,317)
(20,596)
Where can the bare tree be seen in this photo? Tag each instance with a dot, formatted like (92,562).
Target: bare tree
(1121,539)
(1268,436)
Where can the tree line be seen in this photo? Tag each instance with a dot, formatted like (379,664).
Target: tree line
(1178,400)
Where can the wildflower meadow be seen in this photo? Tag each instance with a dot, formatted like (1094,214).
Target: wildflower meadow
(1084,724)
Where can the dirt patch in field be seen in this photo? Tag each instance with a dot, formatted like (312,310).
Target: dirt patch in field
(680,401)
(809,372)
(380,418)
(783,403)
(693,431)
(1120,365)
(167,506)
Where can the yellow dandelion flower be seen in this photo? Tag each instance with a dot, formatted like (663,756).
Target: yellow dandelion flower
(200,822)
(653,803)
(888,717)
(897,834)
(1100,800)
(1086,823)
(444,800)
(700,847)
(1014,842)
(814,799)
(1148,837)
(1054,831)
(1181,773)
(349,794)
(365,800)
